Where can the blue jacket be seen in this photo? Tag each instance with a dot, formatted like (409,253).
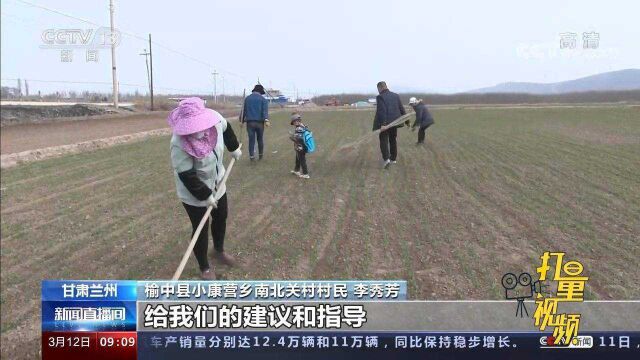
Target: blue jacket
(388,108)
(256,108)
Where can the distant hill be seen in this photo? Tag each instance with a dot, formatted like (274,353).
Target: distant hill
(628,79)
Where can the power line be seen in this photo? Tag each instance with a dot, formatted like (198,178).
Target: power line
(138,37)
(131,34)
(57,12)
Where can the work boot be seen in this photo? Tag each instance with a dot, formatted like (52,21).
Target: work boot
(224,258)
(208,275)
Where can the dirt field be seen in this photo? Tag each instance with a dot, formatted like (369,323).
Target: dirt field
(490,192)
(23,137)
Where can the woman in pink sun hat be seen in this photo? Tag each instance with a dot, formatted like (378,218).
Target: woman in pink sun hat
(197,148)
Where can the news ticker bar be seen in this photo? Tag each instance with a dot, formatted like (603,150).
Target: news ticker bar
(323,345)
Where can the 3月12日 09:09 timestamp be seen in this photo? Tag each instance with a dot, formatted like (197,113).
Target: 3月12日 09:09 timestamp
(89,344)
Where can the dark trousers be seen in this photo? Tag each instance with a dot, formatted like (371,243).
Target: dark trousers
(388,144)
(255,129)
(422,133)
(301,161)
(218,230)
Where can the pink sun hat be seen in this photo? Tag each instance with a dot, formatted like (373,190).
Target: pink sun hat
(191,116)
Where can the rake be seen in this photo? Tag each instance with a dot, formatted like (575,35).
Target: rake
(361,140)
(185,257)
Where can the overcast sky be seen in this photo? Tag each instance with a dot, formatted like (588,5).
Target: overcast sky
(324,46)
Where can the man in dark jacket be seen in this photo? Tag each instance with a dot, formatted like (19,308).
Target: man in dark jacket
(423,119)
(256,115)
(388,108)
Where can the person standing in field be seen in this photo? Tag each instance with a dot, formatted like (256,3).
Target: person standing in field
(423,119)
(388,108)
(299,146)
(197,148)
(256,115)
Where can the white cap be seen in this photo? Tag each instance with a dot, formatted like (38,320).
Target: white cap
(413,100)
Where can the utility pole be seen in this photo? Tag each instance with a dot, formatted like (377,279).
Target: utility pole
(224,97)
(26,87)
(146,61)
(215,86)
(113,57)
(295,92)
(151,71)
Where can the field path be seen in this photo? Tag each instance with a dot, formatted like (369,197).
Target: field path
(17,138)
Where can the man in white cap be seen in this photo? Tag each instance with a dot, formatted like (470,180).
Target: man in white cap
(423,119)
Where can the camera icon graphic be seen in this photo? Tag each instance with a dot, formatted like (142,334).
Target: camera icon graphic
(519,288)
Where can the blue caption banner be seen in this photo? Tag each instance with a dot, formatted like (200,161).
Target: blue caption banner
(89,305)
(267,290)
